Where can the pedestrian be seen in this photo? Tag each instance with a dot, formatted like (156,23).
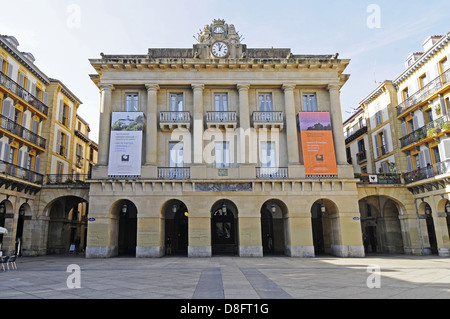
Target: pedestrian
(169,246)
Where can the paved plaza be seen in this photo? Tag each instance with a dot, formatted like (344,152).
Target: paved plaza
(372,277)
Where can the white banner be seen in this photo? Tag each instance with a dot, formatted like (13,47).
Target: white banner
(125,147)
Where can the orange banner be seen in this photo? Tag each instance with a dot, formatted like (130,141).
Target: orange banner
(317,143)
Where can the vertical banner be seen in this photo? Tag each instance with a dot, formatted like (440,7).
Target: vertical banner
(125,147)
(317,143)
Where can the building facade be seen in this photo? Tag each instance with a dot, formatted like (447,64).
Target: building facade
(407,125)
(40,195)
(204,151)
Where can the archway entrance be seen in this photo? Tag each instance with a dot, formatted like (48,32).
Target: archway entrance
(273,220)
(323,212)
(127,240)
(224,226)
(67,225)
(380,225)
(431,231)
(176,228)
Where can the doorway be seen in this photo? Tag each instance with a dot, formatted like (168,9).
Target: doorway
(224,235)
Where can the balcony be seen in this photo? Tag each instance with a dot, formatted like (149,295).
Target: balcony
(268,119)
(20,131)
(221,120)
(357,131)
(428,131)
(272,172)
(174,172)
(14,88)
(170,120)
(427,172)
(386,178)
(424,94)
(67,179)
(21,173)
(361,157)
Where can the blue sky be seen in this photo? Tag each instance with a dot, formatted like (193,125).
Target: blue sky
(64,34)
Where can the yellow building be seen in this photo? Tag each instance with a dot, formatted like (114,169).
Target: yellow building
(39,193)
(204,151)
(404,197)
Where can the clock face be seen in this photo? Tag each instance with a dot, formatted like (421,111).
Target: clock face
(219,49)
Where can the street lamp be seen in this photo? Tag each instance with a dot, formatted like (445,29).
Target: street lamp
(322,208)
(274,209)
(124,209)
(447,207)
(224,208)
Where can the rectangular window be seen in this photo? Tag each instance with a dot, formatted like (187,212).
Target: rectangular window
(176,154)
(443,65)
(222,154)
(265,102)
(310,102)
(268,154)
(176,102)
(61,141)
(405,94)
(131,102)
(436,155)
(422,81)
(59,171)
(378,118)
(221,102)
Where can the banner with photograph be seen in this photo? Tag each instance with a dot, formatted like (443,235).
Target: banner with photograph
(317,143)
(125,147)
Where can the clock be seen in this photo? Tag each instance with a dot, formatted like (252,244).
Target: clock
(219,49)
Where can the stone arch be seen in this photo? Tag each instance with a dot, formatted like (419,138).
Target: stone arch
(67,224)
(123,234)
(175,213)
(274,226)
(325,228)
(224,227)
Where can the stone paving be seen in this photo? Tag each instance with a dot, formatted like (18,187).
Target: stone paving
(391,277)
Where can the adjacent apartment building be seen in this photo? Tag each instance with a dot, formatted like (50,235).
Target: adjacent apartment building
(222,149)
(408,133)
(39,138)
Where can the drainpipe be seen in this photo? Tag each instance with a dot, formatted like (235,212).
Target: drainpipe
(420,229)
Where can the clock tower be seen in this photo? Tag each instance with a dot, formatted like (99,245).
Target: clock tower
(219,41)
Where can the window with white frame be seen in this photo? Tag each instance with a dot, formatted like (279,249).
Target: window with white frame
(222,154)
(131,102)
(309,102)
(268,154)
(176,154)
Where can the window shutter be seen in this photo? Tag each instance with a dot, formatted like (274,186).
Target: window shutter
(21,79)
(409,163)
(67,146)
(415,122)
(1,149)
(10,70)
(33,89)
(25,161)
(61,111)
(19,158)
(427,157)
(375,143)
(446,144)
(6,154)
(69,113)
(386,141)
(422,161)
(404,129)
(58,141)
(1,65)
(45,98)
(37,164)
(6,108)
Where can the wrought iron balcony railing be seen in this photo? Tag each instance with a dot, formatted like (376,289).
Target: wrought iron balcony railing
(18,90)
(66,179)
(22,132)
(427,172)
(174,172)
(425,131)
(421,95)
(20,172)
(271,172)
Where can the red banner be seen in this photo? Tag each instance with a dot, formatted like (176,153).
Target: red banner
(317,143)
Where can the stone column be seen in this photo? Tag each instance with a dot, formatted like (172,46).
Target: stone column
(244,150)
(105,123)
(291,124)
(198,122)
(336,122)
(151,146)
